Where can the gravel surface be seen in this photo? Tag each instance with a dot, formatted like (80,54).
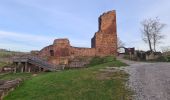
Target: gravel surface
(150,81)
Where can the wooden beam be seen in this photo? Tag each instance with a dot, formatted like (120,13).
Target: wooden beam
(22,69)
(26,67)
(29,69)
(15,67)
(39,69)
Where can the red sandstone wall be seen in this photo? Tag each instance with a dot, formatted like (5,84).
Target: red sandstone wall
(82,51)
(62,52)
(107,22)
(46,51)
(61,47)
(105,40)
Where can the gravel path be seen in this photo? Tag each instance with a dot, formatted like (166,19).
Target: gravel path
(150,81)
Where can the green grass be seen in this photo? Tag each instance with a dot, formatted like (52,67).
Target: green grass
(109,61)
(10,76)
(82,84)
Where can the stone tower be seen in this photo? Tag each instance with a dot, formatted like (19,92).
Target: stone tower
(105,40)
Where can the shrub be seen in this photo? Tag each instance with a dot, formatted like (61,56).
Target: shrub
(168,58)
(100,60)
(109,59)
(161,59)
(96,61)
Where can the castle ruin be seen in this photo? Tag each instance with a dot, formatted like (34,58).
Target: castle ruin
(104,43)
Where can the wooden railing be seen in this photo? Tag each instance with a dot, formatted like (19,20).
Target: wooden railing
(37,61)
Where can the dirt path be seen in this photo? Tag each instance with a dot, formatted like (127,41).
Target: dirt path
(150,81)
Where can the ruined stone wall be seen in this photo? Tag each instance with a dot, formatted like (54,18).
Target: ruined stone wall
(107,22)
(61,47)
(45,51)
(105,40)
(61,52)
(75,51)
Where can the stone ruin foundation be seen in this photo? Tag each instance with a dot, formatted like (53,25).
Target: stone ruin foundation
(7,86)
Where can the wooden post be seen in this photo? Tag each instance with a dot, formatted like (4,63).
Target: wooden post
(22,69)
(18,64)
(26,67)
(29,69)
(39,69)
(15,69)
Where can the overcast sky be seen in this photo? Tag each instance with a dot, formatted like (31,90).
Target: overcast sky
(33,24)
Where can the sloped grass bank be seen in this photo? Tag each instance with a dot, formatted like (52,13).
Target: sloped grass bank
(80,84)
(11,76)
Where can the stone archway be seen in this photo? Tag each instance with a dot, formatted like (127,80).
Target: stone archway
(121,50)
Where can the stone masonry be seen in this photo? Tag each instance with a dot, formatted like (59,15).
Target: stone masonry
(7,86)
(105,40)
(103,43)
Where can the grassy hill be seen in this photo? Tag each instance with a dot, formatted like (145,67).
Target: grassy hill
(6,56)
(83,84)
(5,53)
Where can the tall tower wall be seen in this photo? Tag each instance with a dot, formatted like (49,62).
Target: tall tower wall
(105,40)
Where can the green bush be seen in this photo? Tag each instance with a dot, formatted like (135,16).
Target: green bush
(96,61)
(168,58)
(109,59)
(161,59)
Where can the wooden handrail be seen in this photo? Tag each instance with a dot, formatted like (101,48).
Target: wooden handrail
(37,61)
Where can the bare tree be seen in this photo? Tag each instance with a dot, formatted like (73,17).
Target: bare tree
(146,32)
(157,35)
(151,31)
